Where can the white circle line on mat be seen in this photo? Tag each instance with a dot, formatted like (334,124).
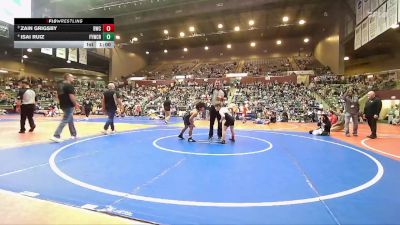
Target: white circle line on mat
(155,144)
(374,180)
(364,143)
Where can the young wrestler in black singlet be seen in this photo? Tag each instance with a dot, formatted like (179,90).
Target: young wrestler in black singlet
(188,120)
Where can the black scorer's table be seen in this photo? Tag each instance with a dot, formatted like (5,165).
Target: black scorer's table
(64,33)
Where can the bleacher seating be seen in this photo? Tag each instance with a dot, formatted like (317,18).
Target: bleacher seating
(265,67)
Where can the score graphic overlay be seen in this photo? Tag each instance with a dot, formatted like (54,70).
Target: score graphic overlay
(64,33)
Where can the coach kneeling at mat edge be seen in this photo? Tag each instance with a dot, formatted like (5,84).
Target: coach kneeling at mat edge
(217,96)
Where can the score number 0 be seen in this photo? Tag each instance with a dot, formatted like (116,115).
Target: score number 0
(108,27)
(108,32)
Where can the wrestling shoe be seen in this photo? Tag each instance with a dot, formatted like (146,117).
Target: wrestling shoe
(56,139)
(32,129)
(191,140)
(181,137)
(223,142)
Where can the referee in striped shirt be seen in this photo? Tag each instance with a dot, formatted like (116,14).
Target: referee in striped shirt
(27,101)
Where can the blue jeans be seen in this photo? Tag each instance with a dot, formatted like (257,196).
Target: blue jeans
(110,120)
(354,118)
(67,119)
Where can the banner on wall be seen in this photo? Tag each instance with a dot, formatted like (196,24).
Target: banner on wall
(374,5)
(47,51)
(366,8)
(61,53)
(364,30)
(359,11)
(398,11)
(73,54)
(382,19)
(373,33)
(357,38)
(392,12)
(4,30)
(107,52)
(83,56)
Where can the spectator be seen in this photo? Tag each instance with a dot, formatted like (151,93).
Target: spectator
(351,109)
(167,109)
(66,96)
(396,116)
(111,101)
(324,127)
(391,114)
(372,110)
(87,107)
(339,125)
(332,117)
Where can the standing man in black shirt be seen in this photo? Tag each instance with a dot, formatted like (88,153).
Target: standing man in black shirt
(88,107)
(372,110)
(67,99)
(27,100)
(217,97)
(167,109)
(111,100)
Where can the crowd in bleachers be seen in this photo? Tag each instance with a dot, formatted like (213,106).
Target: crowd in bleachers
(332,87)
(307,63)
(294,101)
(5,98)
(215,70)
(177,69)
(255,67)
(267,67)
(286,101)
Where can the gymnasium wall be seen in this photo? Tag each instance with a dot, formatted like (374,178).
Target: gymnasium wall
(26,69)
(124,63)
(327,52)
(374,63)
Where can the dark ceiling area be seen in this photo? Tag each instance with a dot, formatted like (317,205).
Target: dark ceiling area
(146,20)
